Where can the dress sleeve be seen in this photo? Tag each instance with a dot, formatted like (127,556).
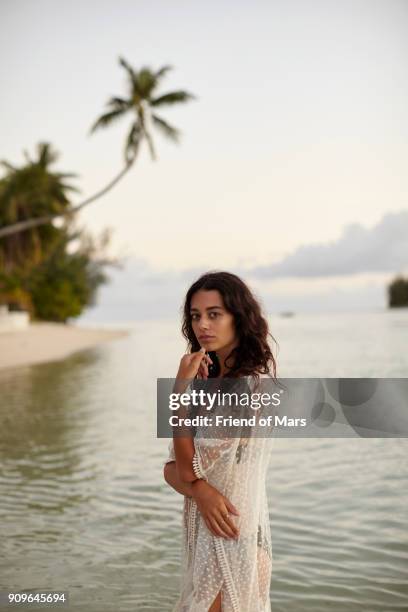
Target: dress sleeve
(210,453)
(216,454)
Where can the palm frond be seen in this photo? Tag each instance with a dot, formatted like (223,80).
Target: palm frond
(8,166)
(172,98)
(131,71)
(46,154)
(107,119)
(133,142)
(127,66)
(62,175)
(162,72)
(66,187)
(168,130)
(119,103)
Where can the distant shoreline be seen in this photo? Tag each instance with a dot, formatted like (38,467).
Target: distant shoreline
(42,342)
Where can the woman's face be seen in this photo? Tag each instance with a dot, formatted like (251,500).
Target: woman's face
(212,324)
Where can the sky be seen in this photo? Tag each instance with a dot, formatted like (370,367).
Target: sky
(291,170)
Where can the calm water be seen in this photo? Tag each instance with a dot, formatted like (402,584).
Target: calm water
(83,506)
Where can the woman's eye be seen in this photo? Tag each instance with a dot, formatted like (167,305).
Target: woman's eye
(212,315)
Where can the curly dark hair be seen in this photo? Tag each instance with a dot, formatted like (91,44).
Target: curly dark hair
(253,355)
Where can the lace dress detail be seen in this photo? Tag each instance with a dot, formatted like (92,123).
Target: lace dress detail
(241,569)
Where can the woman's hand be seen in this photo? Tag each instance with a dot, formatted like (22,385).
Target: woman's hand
(214,508)
(202,373)
(190,365)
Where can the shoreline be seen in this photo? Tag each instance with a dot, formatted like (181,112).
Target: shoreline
(43,341)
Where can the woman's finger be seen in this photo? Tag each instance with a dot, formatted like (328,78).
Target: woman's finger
(218,531)
(229,520)
(193,362)
(207,524)
(210,528)
(230,507)
(201,372)
(225,523)
(196,357)
(232,526)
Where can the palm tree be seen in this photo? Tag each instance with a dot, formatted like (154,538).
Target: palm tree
(141,102)
(31,191)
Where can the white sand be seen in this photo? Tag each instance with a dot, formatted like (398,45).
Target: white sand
(42,342)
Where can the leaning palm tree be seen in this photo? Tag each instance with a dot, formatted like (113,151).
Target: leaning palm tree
(33,190)
(141,102)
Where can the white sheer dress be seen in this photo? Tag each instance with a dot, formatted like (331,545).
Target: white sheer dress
(241,569)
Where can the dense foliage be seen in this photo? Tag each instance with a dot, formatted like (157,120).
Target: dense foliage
(398,292)
(51,271)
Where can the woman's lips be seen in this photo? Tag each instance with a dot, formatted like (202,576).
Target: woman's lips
(206,338)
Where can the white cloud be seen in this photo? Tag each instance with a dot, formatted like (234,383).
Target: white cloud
(384,248)
(351,273)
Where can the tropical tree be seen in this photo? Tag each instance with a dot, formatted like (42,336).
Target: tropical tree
(51,271)
(32,190)
(398,292)
(141,102)
(67,281)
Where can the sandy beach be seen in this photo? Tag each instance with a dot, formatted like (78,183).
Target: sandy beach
(42,342)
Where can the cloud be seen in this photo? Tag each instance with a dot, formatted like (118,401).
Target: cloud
(384,248)
(358,264)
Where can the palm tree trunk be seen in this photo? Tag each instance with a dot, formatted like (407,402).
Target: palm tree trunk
(29,223)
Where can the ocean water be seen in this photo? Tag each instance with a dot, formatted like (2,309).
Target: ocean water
(83,504)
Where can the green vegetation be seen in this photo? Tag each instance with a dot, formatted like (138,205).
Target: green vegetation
(54,270)
(398,292)
(39,271)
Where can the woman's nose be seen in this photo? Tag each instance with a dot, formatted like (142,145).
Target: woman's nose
(203,323)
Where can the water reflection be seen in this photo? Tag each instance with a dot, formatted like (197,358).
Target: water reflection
(44,415)
(84,507)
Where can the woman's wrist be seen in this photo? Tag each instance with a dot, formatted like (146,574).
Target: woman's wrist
(181,384)
(196,485)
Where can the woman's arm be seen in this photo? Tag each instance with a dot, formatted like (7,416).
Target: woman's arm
(183,446)
(172,478)
(212,505)
(183,443)
(184,451)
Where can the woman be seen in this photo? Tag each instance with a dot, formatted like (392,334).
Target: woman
(227,551)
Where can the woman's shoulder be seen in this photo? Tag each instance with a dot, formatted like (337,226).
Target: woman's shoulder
(254,380)
(259,375)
